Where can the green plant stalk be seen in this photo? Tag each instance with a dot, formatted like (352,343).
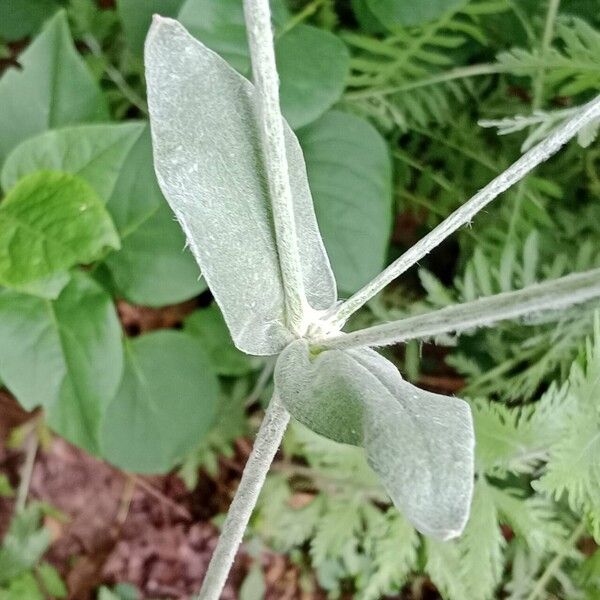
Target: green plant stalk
(265,447)
(31,448)
(467,211)
(556,562)
(538,93)
(450,75)
(552,295)
(266,80)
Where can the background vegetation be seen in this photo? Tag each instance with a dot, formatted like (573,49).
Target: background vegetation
(403,110)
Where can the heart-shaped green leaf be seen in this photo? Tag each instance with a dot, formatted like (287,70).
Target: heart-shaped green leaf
(151,267)
(420,444)
(94,152)
(64,355)
(350,174)
(52,88)
(209,165)
(50,222)
(20,19)
(158,416)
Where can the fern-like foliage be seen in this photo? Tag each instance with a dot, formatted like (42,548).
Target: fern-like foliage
(406,78)
(571,65)
(573,469)
(542,348)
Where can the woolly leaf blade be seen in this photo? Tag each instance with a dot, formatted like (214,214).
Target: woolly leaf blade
(325,394)
(419,443)
(208,162)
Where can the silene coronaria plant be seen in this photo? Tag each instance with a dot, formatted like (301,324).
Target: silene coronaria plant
(233,173)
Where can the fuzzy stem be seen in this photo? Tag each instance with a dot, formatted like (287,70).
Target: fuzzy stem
(467,211)
(264,70)
(551,295)
(265,446)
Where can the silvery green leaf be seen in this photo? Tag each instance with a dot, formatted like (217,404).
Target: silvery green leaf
(326,393)
(208,162)
(419,443)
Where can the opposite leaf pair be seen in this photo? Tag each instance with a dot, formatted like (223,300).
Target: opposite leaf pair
(211,168)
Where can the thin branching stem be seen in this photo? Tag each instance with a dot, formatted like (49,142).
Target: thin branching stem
(260,39)
(538,97)
(554,566)
(450,75)
(115,75)
(551,295)
(265,447)
(31,448)
(467,211)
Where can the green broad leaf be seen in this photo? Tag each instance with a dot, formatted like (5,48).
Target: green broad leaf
(64,355)
(366,19)
(350,176)
(403,13)
(312,63)
(152,267)
(22,18)
(203,117)
(53,87)
(165,404)
(136,16)
(419,443)
(209,327)
(95,153)
(50,222)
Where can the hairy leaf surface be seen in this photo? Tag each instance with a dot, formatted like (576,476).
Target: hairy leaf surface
(208,161)
(419,443)
(312,63)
